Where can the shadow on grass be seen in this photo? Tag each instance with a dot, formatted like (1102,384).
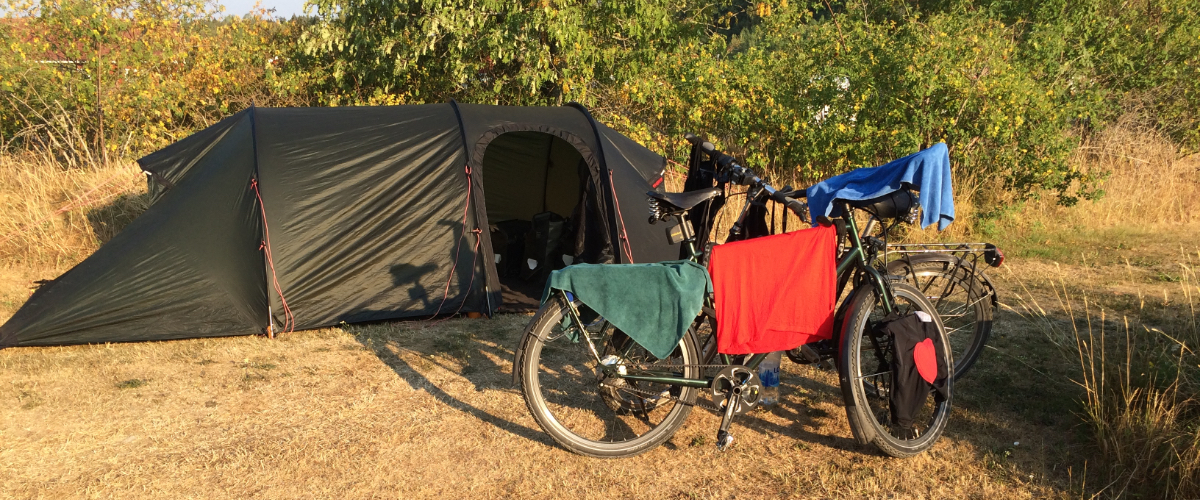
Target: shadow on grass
(1018,388)
(468,348)
(453,346)
(110,219)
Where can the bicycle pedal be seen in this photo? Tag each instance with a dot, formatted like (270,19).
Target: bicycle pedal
(724,439)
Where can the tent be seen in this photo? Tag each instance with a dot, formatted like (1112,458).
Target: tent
(281,218)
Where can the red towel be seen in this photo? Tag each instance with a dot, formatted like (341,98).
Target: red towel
(776,292)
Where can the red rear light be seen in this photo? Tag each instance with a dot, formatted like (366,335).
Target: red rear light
(993,255)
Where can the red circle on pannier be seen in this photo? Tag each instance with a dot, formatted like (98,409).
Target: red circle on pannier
(926,358)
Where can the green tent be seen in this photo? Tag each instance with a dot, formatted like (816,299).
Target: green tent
(308,217)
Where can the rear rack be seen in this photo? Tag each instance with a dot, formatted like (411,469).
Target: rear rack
(987,251)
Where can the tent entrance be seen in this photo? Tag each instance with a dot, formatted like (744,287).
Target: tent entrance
(532,183)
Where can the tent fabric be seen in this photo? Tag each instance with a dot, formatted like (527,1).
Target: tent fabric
(166,166)
(189,267)
(372,213)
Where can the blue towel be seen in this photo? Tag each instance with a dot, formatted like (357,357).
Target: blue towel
(927,170)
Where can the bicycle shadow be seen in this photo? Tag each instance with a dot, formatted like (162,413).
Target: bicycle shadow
(480,352)
(801,398)
(456,351)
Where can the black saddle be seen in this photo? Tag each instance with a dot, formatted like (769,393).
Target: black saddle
(894,205)
(685,200)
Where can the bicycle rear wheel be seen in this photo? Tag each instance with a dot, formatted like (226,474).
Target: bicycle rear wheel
(962,299)
(589,413)
(865,372)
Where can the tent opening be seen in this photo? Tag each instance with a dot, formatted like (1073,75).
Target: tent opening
(531,181)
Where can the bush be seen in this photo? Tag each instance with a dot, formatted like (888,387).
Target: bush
(799,90)
(807,98)
(89,79)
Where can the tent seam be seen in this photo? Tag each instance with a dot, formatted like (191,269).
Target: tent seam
(289,319)
(487,292)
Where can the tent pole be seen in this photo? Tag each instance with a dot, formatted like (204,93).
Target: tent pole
(462,133)
(266,281)
(621,238)
(546,170)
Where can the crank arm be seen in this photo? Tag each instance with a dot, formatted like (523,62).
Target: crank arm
(724,438)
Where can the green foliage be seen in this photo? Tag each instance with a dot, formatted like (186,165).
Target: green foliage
(1115,57)
(131,75)
(806,99)
(802,90)
(495,51)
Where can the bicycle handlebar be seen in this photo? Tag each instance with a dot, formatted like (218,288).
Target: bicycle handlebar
(745,177)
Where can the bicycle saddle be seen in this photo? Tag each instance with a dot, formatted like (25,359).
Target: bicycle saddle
(894,205)
(685,200)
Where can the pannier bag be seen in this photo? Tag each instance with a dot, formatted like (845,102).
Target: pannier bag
(508,243)
(920,363)
(543,248)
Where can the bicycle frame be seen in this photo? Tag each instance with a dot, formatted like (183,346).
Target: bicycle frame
(856,258)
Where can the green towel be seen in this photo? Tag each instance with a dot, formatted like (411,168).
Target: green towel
(652,303)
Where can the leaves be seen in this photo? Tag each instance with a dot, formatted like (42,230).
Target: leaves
(149,73)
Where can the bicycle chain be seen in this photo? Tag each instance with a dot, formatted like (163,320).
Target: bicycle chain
(699,401)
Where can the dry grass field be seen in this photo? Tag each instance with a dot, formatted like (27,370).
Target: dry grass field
(412,409)
(400,410)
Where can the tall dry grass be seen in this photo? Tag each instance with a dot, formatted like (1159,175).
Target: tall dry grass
(1143,176)
(52,217)
(1136,362)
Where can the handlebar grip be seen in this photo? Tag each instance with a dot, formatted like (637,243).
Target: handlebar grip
(796,206)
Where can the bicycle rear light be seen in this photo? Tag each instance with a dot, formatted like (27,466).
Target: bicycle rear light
(992,255)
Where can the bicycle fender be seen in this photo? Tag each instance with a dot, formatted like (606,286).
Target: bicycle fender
(987,283)
(895,267)
(519,353)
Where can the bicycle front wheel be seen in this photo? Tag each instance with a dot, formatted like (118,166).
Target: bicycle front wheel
(866,377)
(589,413)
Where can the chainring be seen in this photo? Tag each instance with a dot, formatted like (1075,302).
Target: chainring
(740,382)
(625,398)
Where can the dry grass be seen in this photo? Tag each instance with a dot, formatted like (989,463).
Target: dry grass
(1145,181)
(401,410)
(1130,331)
(52,217)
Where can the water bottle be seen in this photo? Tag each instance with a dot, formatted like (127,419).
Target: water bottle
(768,375)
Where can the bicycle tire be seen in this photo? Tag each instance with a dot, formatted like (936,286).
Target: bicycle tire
(962,299)
(866,379)
(571,400)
